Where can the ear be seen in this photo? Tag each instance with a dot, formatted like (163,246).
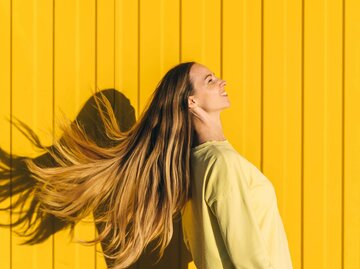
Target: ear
(191,101)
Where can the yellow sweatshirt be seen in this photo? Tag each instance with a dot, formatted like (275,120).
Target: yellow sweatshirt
(232,219)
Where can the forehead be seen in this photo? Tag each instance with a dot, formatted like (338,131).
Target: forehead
(198,72)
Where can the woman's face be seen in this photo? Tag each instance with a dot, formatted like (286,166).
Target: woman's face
(209,92)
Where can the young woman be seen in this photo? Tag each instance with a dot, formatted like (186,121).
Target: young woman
(135,186)
(232,219)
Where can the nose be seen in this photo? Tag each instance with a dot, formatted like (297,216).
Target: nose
(222,83)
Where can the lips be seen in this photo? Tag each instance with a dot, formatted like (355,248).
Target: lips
(223,93)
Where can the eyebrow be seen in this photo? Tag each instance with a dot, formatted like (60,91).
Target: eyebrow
(209,75)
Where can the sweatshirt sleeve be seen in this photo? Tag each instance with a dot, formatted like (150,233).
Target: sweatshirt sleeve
(227,197)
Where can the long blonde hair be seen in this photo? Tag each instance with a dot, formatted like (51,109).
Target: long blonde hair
(136,186)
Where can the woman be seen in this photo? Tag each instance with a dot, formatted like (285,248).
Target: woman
(142,180)
(232,219)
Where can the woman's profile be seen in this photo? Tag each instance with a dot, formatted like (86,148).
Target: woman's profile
(231,219)
(174,159)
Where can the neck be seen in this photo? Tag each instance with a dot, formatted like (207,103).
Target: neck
(208,129)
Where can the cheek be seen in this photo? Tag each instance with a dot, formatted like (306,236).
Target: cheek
(204,98)
(210,101)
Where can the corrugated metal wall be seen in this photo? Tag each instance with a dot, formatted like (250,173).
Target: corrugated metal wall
(292,69)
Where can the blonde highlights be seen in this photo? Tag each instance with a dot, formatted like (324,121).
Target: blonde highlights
(133,187)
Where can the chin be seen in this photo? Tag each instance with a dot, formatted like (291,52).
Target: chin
(228,105)
(225,107)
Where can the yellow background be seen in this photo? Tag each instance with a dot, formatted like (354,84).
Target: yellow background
(293,77)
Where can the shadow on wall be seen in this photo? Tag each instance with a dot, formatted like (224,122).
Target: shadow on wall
(37,226)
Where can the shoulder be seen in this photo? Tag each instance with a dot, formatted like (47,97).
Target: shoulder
(213,156)
(222,155)
(227,172)
(226,159)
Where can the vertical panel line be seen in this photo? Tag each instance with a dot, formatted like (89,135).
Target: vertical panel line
(262,89)
(221,38)
(96,89)
(203,32)
(302,130)
(96,46)
(343,142)
(114,43)
(138,67)
(11,130)
(53,118)
(180,30)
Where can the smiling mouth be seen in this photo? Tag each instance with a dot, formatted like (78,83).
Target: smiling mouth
(224,94)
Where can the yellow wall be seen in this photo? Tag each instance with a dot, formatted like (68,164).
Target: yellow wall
(292,69)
